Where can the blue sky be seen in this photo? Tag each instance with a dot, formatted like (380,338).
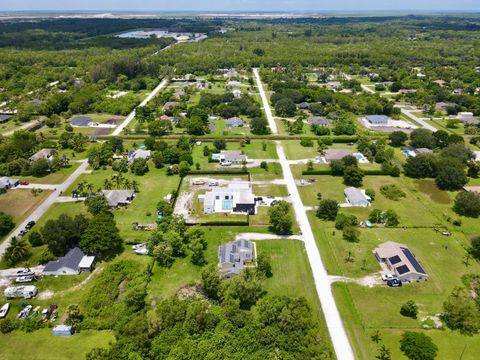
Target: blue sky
(241,5)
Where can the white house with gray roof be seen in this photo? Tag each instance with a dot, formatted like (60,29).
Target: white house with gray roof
(356,197)
(43,154)
(377,119)
(335,154)
(233,256)
(138,154)
(73,263)
(8,183)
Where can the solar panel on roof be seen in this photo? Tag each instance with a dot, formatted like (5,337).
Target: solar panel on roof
(412,260)
(394,260)
(403,269)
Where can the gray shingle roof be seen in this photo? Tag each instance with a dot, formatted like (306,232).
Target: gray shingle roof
(81,121)
(71,260)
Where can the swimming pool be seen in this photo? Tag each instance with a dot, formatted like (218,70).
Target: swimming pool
(227,205)
(359,156)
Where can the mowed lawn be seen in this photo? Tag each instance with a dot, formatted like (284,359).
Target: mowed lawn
(20,203)
(57,177)
(42,345)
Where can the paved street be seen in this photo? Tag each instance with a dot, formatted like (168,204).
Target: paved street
(335,326)
(39,211)
(131,116)
(424,124)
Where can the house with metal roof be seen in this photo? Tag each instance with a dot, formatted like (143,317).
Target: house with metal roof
(233,256)
(138,154)
(377,119)
(230,156)
(73,263)
(237,197)
(117,198)
(169,105)
(401,261)
(234,122)
(335,154)
(43,154)
(357,197)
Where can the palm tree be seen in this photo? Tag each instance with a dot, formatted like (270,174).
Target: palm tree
(135,186)
(107,184)
(89,187)
(16,251)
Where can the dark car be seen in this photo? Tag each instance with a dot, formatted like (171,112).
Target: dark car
(273,203)
(394,283)
(29,225)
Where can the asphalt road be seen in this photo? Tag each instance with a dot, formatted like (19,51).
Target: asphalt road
(338,335)
(39,211)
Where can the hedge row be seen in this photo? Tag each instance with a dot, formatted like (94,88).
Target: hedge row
(328,172)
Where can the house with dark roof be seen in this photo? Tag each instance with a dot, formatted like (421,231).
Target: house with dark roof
(4,118)
(318,120)
(71,264)
(234,122)
(442,106)
(400,260)
(81,121)
(234,256)
(117,198)
(304,106)
(357,197)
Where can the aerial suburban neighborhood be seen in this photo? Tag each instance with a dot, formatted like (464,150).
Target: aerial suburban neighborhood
(240,185)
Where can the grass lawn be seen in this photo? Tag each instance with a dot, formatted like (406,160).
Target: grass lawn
(57,177)
(20,203)
(295,151)
(42,345)
(273,172)
(273,190)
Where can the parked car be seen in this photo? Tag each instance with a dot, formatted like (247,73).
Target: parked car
(273,203)
(25,272)
(226,163)
(386,277)
(213,183)
(446,233)
(4,310)
(140,249)
(29,225)
(23,182)
(394,283)
(24,313)
(24,279)
(22,233)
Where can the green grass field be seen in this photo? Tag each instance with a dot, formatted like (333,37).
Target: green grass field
(42,345)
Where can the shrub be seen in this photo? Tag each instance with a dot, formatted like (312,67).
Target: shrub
(467,203)
(392,192)
(418,346)
(306,142)
(6,326)
(351,234)
(344,220)
(327,209)
(409,309)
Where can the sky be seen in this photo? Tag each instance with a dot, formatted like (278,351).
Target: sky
(241,5)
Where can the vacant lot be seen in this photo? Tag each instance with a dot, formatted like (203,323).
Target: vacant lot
(42,345)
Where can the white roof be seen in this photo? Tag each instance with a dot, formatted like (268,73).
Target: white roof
(86,262)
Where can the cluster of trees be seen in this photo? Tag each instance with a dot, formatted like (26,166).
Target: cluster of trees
(174,240)
(6,223)
(348,168)
(281,219)
(16,150)
(447,166)
(97,234)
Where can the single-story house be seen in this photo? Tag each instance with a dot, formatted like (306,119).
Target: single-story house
(4,118)
(377,119)
(413,151)
(229,73)
(8,183)
(180,94)
(71,264)
(81,121)
(333,85)
(304,106)
(232,156)
(401,261)
(233,256)
(138,154)
(318,120)
(236,198)
(43,154)
(234,122)
(62,330)
(442,106)
(357,197)
(336,154)
(169,105)
(234,83)
(118,197)
(237,93)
